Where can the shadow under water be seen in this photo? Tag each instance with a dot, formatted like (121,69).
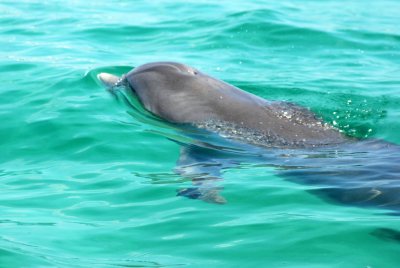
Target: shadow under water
(359,172)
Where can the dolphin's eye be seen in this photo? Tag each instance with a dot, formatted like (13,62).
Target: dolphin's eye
(191,71)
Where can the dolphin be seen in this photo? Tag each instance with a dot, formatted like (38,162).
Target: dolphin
(292,139)
(178,93)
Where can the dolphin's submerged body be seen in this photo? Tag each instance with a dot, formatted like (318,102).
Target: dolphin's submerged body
(300,146)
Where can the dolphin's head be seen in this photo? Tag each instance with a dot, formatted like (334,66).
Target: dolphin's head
(168,89)
(173,91)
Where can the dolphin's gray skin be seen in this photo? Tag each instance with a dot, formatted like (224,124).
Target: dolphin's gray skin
(283,135)
(182,94)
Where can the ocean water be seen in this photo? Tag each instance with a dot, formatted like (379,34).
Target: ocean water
(86,182)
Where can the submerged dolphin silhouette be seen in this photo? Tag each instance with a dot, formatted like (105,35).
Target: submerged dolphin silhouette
(290,138)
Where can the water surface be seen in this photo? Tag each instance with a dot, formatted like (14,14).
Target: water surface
(86,183)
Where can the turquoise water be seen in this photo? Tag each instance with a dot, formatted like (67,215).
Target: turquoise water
(86,183)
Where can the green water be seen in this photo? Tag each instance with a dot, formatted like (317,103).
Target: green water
(86,184)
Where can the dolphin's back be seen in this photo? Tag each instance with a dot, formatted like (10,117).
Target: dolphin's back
(241,114)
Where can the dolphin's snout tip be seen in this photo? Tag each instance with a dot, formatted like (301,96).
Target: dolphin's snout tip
(99,76)
(107,79)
